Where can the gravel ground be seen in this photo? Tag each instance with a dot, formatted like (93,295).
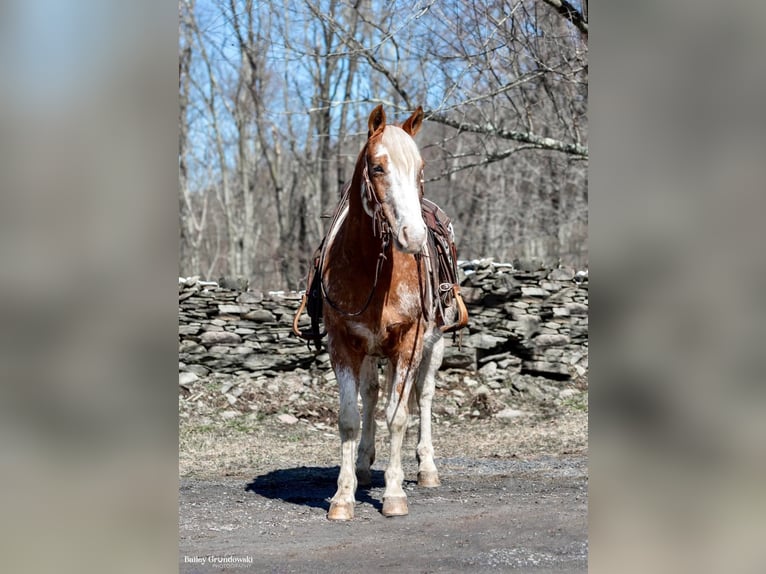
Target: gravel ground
(259,461)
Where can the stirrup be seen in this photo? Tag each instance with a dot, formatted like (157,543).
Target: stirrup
(462,312)
(304,334)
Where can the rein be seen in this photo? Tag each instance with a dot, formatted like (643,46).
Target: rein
(435,264)
(380,228)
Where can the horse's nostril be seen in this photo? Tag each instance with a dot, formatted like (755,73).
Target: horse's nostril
(404,236)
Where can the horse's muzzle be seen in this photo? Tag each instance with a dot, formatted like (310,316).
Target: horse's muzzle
(411,238)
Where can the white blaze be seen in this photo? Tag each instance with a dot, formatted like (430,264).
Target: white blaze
(403,194)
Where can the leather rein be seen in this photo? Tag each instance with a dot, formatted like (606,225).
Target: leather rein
(432,259)
(380,228)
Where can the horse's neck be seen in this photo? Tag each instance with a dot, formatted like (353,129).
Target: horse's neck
(360,241)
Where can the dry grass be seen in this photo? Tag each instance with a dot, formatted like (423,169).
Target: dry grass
(232,427)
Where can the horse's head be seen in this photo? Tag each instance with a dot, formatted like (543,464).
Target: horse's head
(395,176)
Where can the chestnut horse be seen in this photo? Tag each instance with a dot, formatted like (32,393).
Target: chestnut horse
(378,304)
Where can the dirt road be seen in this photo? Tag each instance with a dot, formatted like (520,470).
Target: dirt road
(258,465)
(487,516)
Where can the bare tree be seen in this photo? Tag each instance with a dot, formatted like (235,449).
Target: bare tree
(193,218)
(280,91)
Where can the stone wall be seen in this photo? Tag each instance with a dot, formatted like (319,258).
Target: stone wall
(522,320)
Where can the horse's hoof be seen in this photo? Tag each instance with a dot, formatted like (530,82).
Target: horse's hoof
(428,478)
(340,511)
(395,506)
(363,477)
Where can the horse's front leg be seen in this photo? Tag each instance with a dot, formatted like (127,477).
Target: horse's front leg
(369,391)
(399,384)
(342,504)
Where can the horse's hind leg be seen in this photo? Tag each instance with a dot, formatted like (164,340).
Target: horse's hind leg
(432,358)
(342,504)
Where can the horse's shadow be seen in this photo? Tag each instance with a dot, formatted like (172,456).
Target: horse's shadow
(311,486)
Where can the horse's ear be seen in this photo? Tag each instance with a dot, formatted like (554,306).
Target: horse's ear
(414,122)
(377,121)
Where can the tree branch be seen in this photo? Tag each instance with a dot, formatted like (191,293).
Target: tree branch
(533,140)
(355,46)
(488,159)
(570,13)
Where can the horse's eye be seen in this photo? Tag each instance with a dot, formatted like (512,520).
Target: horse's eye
(378,169)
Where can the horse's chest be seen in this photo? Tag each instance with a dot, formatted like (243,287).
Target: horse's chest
(384,335)
(382,340)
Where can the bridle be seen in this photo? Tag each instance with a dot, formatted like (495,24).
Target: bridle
(380,228)
(436,261)
(377,209)
(379,213)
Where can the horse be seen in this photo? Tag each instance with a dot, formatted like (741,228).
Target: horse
(378,304)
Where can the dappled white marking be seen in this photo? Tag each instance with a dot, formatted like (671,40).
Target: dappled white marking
(409,298)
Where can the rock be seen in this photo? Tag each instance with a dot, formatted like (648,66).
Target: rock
(568,393)
(187,378)
(287,419)
(540,367)
(232,309)
(190,347)
(218,350)
(484,341)
(577,308)
(534,292)
(250,297)
(198,370)
(455,359)
(562,274)
(509,413)
(243,350)
(188,329)
(213,328)
(260,316)
(550,340)
(489,369)
(220,338)
(185,295)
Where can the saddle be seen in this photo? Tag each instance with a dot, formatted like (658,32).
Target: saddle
(441,264)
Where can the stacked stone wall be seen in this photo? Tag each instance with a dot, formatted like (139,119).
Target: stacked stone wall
(527,321)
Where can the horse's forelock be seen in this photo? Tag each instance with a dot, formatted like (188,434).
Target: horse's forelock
(401,148)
